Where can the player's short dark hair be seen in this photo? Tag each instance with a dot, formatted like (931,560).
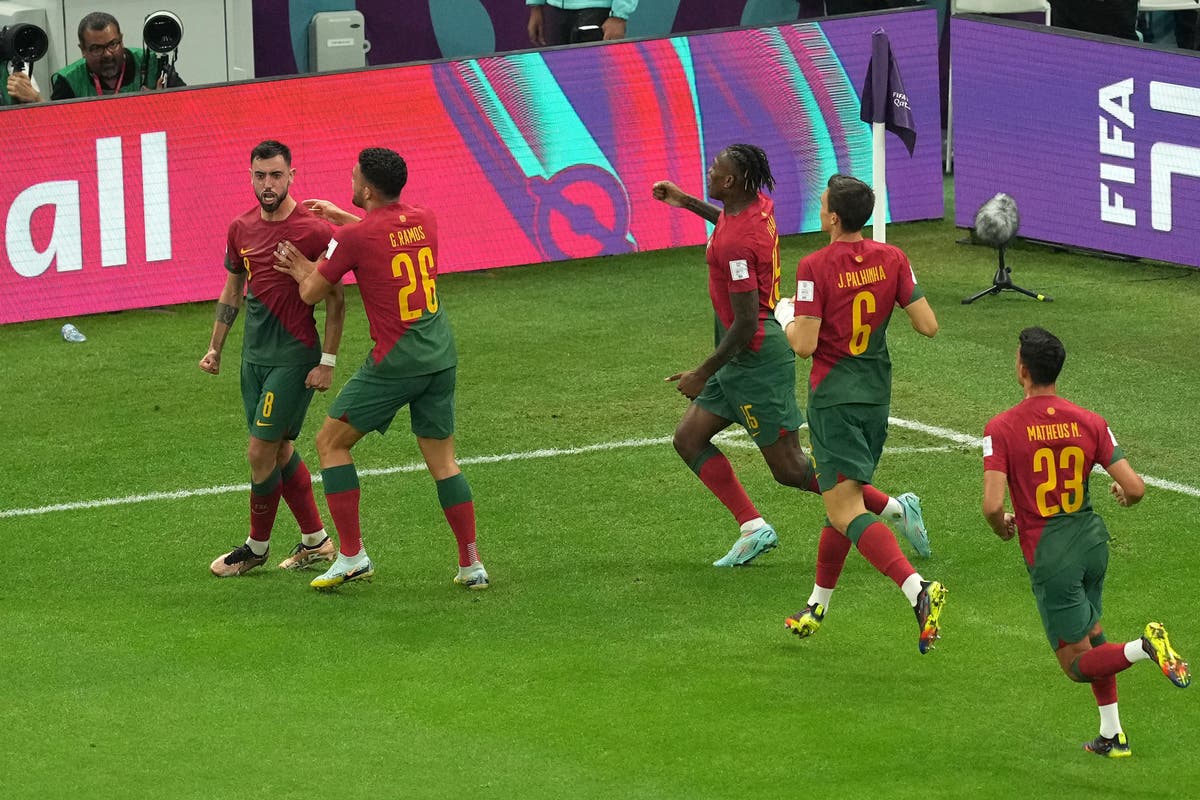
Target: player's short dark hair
(1043,355)
(751,163)
(384,169)
(269,149)
(97,21)
(852,200)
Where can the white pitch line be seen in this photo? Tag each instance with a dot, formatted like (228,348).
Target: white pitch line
(960,439)
(977,442)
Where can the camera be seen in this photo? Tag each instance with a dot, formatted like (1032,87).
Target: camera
(21,45)
(161,34)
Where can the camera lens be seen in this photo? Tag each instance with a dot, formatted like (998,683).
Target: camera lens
(23,42)
(162,32)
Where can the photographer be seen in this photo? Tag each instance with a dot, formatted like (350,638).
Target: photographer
(107,66)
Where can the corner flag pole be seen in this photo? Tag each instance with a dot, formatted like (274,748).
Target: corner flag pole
(879,170)
(885,106)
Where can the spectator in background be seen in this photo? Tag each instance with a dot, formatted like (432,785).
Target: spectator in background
(108,66)
(1107,17)
(1187,29)
(1159,27)
(17,87)
(610,17)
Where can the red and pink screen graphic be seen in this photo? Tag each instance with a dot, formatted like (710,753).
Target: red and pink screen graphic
(125,202)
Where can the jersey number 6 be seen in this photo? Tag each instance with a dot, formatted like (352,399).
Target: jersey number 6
(864,303)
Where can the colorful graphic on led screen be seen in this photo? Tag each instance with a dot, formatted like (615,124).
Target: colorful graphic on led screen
(525,158)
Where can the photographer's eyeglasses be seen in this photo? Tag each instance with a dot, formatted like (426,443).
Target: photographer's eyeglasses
(111,48)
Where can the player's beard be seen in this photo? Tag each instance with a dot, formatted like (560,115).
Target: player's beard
(271,208)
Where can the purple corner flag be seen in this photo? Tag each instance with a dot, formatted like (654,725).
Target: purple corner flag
(883,96)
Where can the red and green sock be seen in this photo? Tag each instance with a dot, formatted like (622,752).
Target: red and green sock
(342,495)
(454,493)
(715,472)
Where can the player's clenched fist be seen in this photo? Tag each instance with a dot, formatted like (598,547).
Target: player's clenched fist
(211,362)
(669,193)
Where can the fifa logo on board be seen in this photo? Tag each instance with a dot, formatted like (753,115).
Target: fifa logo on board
(1117,151)
(64,245)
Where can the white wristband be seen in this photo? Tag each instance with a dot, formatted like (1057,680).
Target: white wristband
(328,360)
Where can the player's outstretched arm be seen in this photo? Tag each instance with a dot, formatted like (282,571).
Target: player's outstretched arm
(921,315)
(227,310)
(1128,487)
(672,195)
(995,483)
(323,209)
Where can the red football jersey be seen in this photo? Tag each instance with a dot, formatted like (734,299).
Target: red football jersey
(394,255)
(743,256)
(852,288)
(1047,447)
(280,329)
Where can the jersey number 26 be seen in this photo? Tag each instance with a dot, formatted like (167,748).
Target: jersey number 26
(403,267)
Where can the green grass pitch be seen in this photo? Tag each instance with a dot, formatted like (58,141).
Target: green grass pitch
(609,659)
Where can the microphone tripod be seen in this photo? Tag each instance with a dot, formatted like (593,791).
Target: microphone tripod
(1002,282)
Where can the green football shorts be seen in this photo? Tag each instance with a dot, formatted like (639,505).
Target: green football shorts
(762,398)
(1068,587)
(847,441)
(275,400)
(369,401)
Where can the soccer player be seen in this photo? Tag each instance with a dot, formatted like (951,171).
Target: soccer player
(845,293)
(282,359)
(1043,450)
(393,252)
(751,375)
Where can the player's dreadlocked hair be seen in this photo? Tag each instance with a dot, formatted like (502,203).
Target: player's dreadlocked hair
(751,161)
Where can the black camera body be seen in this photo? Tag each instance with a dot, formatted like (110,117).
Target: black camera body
(21,45)
(161,34)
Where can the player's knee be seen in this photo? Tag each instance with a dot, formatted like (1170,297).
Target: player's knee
(325,442)
(784,474)
(686,445)
(262,455)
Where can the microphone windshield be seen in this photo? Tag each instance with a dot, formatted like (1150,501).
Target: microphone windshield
(996,222)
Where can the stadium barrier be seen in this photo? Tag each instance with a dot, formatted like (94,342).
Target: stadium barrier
(124,202)
(1097,140)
